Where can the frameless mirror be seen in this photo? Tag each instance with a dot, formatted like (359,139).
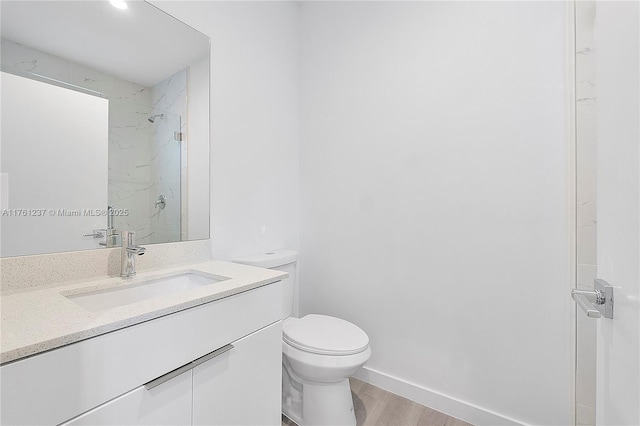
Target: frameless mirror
(105,126)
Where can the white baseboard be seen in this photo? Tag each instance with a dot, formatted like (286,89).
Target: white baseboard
(451,406)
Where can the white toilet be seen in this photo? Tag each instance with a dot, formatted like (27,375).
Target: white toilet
(319,354)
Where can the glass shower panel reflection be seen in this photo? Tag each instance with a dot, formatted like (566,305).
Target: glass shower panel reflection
(145,171)
(165,178)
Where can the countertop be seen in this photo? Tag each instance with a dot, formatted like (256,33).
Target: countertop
(42,319)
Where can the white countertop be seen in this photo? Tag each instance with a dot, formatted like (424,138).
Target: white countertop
(38,320)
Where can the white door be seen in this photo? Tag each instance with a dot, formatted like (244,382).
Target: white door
(54,167)
(618,188)
(243,385)
(167,404)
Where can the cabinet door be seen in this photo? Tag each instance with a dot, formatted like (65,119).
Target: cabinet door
(242,386)
(166,404)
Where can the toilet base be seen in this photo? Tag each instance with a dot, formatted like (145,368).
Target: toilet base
(317,404)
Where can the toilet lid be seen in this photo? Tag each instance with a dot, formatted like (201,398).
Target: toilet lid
(325,335)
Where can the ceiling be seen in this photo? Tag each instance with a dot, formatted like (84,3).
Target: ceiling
(141,44)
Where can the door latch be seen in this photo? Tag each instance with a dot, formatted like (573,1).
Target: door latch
(597,303)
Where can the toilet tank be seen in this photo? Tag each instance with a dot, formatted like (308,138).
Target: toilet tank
(281,260)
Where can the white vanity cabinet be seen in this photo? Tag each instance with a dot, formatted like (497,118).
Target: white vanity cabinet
(167,404)
(102,380)
(237,387)
(233,387)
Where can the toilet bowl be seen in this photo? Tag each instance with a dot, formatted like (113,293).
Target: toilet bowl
(319,354)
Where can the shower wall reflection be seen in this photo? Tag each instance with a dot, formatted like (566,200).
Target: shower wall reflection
(146,158)
(145,153)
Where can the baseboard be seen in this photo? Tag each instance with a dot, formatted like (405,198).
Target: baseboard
(451,406)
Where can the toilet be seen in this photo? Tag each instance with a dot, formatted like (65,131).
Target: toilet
(319,354)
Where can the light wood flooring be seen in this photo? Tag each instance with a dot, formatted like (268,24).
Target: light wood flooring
(377,407)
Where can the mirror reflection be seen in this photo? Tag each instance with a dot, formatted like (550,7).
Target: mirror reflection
(105,126)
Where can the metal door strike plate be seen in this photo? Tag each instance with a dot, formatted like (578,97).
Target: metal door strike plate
(606,309)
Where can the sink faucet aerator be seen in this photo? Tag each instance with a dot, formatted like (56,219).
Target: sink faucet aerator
(128,254)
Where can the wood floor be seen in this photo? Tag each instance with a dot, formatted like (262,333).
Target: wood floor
(377,407)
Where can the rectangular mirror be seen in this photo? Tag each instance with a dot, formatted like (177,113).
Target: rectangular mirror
(105,115)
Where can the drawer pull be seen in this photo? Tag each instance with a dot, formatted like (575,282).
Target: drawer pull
(166,377)
(178,371)
(213,354)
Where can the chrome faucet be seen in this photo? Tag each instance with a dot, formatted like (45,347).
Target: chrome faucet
(128,253)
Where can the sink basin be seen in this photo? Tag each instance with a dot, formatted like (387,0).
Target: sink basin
(101,300)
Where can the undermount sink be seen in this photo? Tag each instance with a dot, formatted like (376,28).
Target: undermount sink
(101,300)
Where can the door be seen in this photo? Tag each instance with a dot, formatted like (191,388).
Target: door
(618,189)
(166,404)
(53,192)
(241,386)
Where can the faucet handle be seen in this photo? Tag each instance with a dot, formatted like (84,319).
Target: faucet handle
(161,201)
(97,233)
(128,238)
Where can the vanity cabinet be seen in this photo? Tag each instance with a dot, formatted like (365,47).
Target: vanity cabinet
(238,386)
(102,380)
(233,387)
(167,404)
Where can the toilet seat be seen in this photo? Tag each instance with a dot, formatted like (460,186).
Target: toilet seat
(324,335)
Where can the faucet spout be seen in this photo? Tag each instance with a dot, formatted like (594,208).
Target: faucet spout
(128,254)
(137,250)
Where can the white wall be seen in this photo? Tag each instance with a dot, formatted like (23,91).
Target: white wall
(254,121)
(433,184)
(434,198)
